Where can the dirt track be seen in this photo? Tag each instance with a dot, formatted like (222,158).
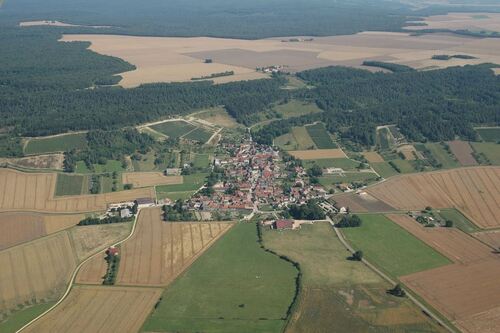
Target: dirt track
(474,191)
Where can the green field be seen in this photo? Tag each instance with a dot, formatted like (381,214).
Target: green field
(392,248)
(234,287)
(173,129)
(286,142)
(343,163)
(110,166)
(489,134)
(320,136)
(384,169)
(404,165)
(200,134)
(441,155)
(339,295)
(201,161)
(384,138)
(22,317)
(56,144)
(459,221)
(69,184)
(191,184)
(296,108)
(489,149)
(328,181)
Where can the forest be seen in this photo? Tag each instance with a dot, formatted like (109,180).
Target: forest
(426,105)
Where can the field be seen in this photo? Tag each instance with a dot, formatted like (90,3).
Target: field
(174,129)
(100,309)
(171,248)
(191,183)
(90,239)
(47,161)
(334,285)
(361,203)
(441,155)
(21,317)
(384,169)
(473,191)
(461,21)
(343,163)
(318,154)
(488,149)
(171,59)
(69,185)
(231,288)
(35,192)
(110,166)
(385,140)
(296,108)
(320,136)
(329,180)
(491,238)
(404,165)
(56,144)
(217,116)
(199,134)
(373,157)
(302,138)
(463,152)
(489,134)
(459,221)
(391,248)
(35,272)
(147,179)
(408,152)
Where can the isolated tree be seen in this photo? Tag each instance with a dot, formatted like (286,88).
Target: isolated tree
(448,224)
(358,255)
(397,291)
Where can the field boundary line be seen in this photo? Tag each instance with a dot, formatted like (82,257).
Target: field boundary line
(392,282)
(75,273)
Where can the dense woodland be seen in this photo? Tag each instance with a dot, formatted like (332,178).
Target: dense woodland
(432,105)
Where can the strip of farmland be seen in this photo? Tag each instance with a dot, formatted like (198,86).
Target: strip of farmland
(147,179)
(473,191)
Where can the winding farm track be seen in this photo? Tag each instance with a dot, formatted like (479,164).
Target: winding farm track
(73,277)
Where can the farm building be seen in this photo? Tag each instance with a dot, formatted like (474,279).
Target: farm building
(283,224)
(144,202)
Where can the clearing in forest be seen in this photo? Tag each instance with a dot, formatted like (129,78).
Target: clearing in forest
(473,191)
(172,247)
(147,179)
(100,310)
(57,143)
(333,284)
(174,129)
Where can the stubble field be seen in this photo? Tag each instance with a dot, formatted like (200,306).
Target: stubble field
(167,59)
(473,191)
(159,251)
(100,309)
(318,154)
(147,179)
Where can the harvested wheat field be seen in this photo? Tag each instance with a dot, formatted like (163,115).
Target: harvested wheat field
(473,191)
(408,151)
(90,239)
(147,179)
(373,157)
(461,292)
(159,251)
(463,152)
(93,271)
(453,243)
(461,21)
(100,309)
(39,270)
(172,59)
(492,238)
(361,203)
(21,191)
(318,154)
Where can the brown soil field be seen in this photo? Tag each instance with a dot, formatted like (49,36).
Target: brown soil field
(159,251)
(169,59)
(318,154)
(147,179)
(453,243)
(17,228)
(408,151)
(49,161)
(473,191)
(39,270)
(35,192)
(492,238)
(461,21)
(461,292)
(373,157)
(484,322)
(100,309)
(90,239)
(463,152)
(361,203)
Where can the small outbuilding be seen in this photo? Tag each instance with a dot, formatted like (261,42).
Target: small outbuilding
(144,202)
(283,224)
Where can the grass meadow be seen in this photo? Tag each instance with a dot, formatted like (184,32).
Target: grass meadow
(173,129)
(442,156)
(19,318)
(56,144)
(459,221)
(489,134)
(234,287)
(489,149)
(69,184)
(392,248)
(179,191)
(384,169)
(320,136)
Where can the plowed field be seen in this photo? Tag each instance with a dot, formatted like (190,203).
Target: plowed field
(473,191)
(159,251)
